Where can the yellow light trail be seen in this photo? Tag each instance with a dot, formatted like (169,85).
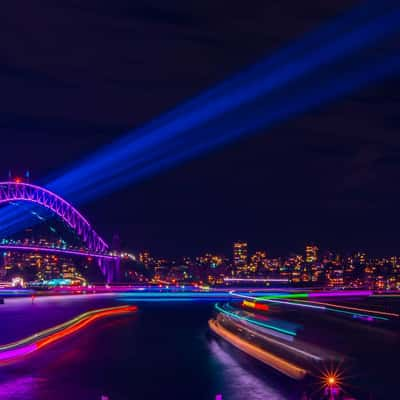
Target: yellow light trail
(280,364)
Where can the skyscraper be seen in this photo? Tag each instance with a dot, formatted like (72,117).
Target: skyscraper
(239,253)
(311,253)
(259,261)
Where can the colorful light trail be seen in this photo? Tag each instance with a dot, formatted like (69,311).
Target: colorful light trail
(284,296)
(254,321)
(256,306)
(357,309)
(364,314)
(262,355)
(173,294)
(291,326)
(13,352)
(290,347)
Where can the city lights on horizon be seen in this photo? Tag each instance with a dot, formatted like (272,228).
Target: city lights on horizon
(312,268)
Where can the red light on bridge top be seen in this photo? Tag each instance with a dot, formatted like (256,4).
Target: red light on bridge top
(17,180)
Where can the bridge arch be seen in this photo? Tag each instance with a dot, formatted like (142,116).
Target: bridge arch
(22,191)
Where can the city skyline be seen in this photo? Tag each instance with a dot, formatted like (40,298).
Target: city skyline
(226,250)
(312,267)
(310,253)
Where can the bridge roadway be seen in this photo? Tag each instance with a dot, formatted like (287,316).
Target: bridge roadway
(57,250)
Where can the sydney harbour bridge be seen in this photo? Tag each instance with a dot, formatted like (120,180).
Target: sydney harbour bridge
(94,245)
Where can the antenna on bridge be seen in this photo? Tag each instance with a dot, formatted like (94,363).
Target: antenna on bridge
(9,175)
(27,175)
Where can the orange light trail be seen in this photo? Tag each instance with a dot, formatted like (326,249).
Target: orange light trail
(280,364)
(74,328)
(20,349)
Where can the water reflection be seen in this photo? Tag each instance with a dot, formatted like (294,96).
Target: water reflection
(243,384)
(163,352)
(19,388)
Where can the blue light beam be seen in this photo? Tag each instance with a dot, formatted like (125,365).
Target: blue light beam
(330,62)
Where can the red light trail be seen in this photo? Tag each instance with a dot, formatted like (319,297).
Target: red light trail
(17,350)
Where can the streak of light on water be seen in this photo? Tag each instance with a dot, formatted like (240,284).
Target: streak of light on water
(242,382)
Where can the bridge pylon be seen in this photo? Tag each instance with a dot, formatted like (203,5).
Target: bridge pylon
(110,269)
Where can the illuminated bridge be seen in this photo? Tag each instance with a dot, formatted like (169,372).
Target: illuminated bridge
(95,246)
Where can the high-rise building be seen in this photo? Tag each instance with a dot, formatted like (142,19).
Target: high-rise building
(239,254)
(311,253)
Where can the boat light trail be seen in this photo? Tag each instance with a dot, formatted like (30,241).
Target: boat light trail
(256,306)
(261,317)
(242,296)
(266,331)
(182,294)
(284,296)
(366,316)
(289,303)
(15,351)
(363,310)
(282,344)
(325,64)
(268,358)
(372,314)
(254,321)
(287,295)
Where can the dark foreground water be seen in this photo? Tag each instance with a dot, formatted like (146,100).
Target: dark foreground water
(163,352)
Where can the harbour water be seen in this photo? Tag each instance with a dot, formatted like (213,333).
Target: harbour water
(164,351)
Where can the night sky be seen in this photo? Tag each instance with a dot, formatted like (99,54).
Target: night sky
(76,75)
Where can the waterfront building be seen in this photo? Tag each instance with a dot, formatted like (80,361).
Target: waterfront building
(38,266)
(311,254)
(239,254)
(258,262)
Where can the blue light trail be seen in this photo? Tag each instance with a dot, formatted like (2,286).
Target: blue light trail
(254,321)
